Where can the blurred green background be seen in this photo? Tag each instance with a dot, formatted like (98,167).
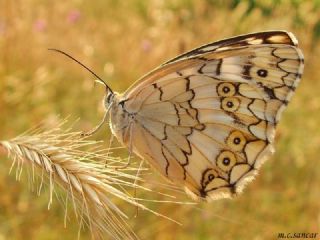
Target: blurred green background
(122,40)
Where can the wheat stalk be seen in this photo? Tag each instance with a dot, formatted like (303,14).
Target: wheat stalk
(83,174)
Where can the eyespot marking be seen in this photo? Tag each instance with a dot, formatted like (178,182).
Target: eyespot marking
(230,104)
(262,73)
(208,176)
(236,141)
(226,89)
(226,160)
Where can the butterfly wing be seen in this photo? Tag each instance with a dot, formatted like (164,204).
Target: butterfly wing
(259,38)
(206,119)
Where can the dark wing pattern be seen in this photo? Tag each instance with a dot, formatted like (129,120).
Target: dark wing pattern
(206,119)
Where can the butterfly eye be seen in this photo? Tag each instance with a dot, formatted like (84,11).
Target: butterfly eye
(226,160)
(236,141)
(226,89)
(230,104)
(108,99)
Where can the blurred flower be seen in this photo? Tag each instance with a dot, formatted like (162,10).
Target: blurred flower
(146,45)
(73,16)
(40,25)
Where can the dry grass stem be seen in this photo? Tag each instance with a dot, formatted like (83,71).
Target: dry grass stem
(89,182)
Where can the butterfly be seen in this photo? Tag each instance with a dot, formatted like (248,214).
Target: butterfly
(206,120)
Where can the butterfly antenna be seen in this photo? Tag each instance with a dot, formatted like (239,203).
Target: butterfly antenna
(99,79)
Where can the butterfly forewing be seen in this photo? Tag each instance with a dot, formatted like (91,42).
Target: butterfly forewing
(206,119)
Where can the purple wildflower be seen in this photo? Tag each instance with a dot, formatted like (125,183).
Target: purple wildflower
(73,16)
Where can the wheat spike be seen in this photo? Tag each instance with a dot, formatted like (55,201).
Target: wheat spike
(83,174)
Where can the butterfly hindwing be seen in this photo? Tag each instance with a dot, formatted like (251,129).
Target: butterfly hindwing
(206,120)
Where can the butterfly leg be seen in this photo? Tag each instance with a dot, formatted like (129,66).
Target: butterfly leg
(94,130)
(129,148)
(109,148)
(135,183)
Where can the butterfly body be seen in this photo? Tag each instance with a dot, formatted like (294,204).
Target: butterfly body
(206,119)
(120,118)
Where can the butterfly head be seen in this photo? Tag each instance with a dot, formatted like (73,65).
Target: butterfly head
(108,99)
(118,116)
(109,94)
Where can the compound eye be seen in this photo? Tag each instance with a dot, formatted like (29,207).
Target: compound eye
(108,98)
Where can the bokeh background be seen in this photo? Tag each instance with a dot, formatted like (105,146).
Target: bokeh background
(122,40)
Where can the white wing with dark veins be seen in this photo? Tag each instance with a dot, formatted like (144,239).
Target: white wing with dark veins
(206,119)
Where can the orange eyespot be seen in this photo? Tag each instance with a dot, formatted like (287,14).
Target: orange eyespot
(230,104)
(226,89)
(226,160)
(236,141)
(208,176)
